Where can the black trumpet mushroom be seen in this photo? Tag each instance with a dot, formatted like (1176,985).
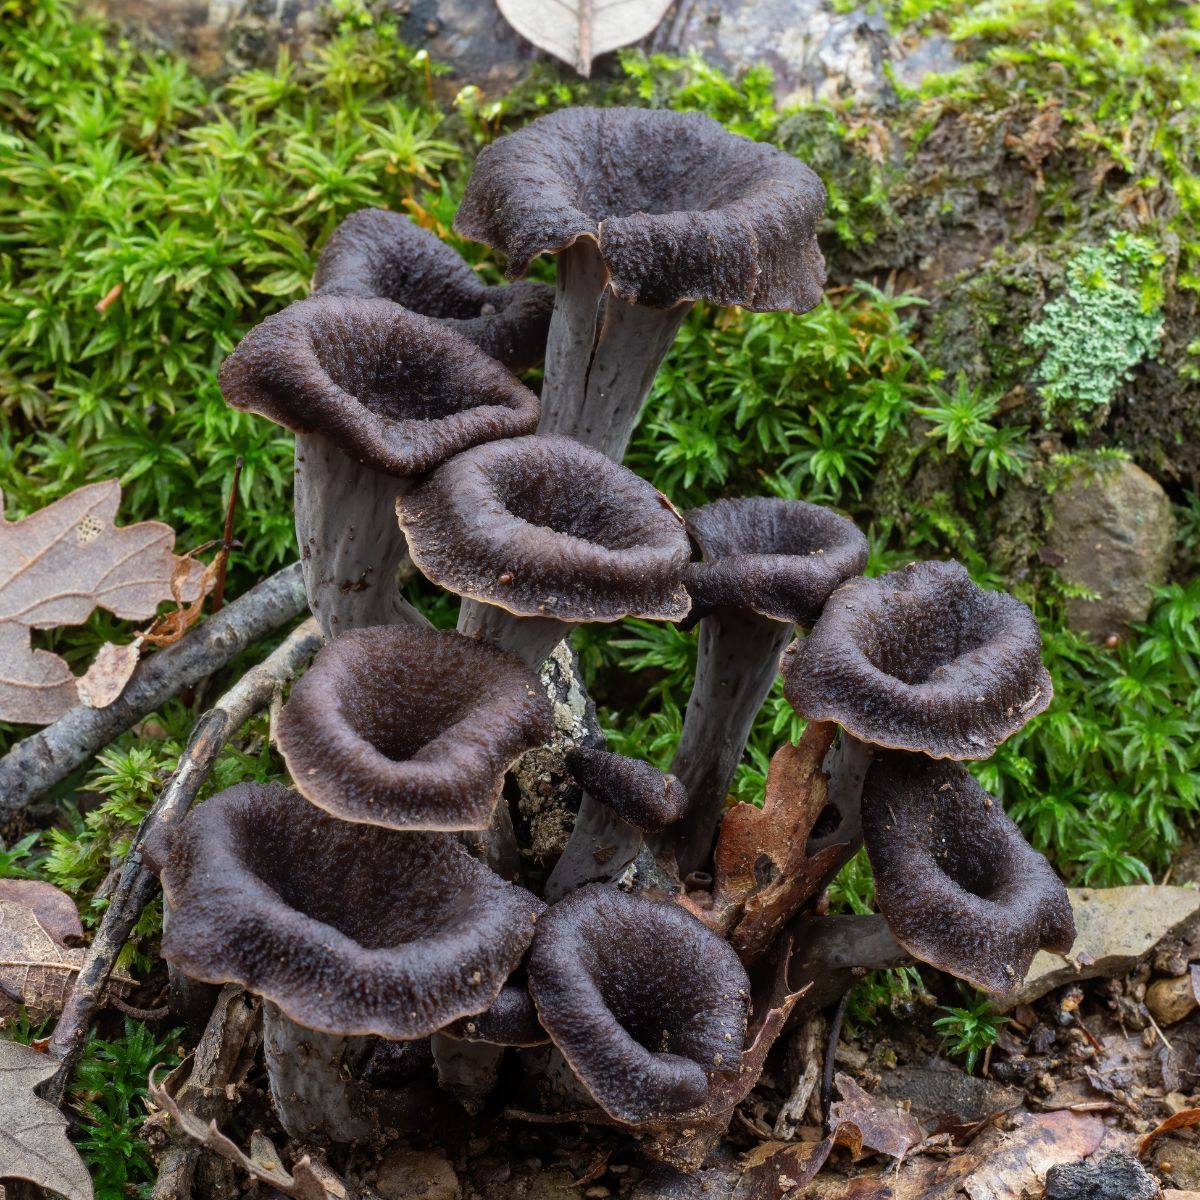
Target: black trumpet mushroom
(647,211)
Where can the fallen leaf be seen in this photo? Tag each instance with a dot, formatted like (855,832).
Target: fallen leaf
(577,31)
(33,1133)
(36,968)
(762,873)
(110,671)
(1181,1120)
(859,1121)
(170,627)
(53,908)
(309,1180)
(59,564)
(773,1169)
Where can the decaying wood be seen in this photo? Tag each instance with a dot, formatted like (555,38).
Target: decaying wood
(205,1085)
(137,883)
(50,755)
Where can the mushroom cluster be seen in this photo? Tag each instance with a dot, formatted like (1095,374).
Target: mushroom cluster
(384,897)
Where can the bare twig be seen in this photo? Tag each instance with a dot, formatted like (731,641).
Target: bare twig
(835,1033)
(218,592)
(137,884)
(51,754)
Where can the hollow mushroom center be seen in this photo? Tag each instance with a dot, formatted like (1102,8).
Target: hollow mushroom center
(400,724)
(912,643)
(562,502)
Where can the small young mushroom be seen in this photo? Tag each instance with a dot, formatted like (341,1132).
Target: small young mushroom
(622,799)
(647,210)
(642,1000)
(410,728)
(959,886)
(375,395)
(345,930)
(541,533)
(768,565)
(377,253)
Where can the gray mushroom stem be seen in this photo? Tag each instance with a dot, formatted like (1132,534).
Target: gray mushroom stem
(601,847)
(312,1087)
(467,1070)
(350,545)
(531,639)
(602,354)
(738,659)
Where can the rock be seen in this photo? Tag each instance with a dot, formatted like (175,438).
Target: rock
(1176,1194)
(1117,1176)
(816,51)
(1114,928)
(1170,1000)
(405,1174)
(947,1099)
(1111,532)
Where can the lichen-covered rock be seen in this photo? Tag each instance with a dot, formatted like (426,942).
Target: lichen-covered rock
(1111,532)
(1117,1176)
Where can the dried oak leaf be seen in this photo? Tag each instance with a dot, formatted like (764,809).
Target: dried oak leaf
(860,1122)
(762,870)
(310,1179)
(33,1133)
(59,564)
(37,967)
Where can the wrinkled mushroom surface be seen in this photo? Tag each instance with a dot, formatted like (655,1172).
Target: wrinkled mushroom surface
(410,728)
(960,887)
(921,659)
(778,558)
(350,929)
(638,793)
(641,999)
(391,389)
(680,208)
(546,527)
(376,253)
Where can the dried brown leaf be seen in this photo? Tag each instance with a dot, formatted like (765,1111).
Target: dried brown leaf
(33,1133)
(762,871)
(170,627)
(772,1170)
(110,671)
(1181,1120)
(576,31)
(36,968)
(859,1121)
(59,564)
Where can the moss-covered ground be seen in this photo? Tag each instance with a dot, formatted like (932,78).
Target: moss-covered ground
(1015,264)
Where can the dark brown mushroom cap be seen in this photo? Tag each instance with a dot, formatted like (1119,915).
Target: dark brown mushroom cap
(511,1020)
(395,390)
(921,659)
(545,526)
(641,795)
(349,929)
(680,208)
(641,999)
(376,253)
(960,887)
(778,558)
(410,727)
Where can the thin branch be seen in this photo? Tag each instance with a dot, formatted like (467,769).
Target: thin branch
(50,755)
(137,883)
(218,592)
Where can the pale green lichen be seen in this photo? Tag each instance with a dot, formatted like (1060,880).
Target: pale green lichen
(1106,322)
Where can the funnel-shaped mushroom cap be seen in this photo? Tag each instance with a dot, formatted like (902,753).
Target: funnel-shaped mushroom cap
(392,389)
(642,1000)
(347,928)
(921,659)
(680,208)
(778,558)
(376,253)
(960,887)
(410,728)
(641,795)
(547,527)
